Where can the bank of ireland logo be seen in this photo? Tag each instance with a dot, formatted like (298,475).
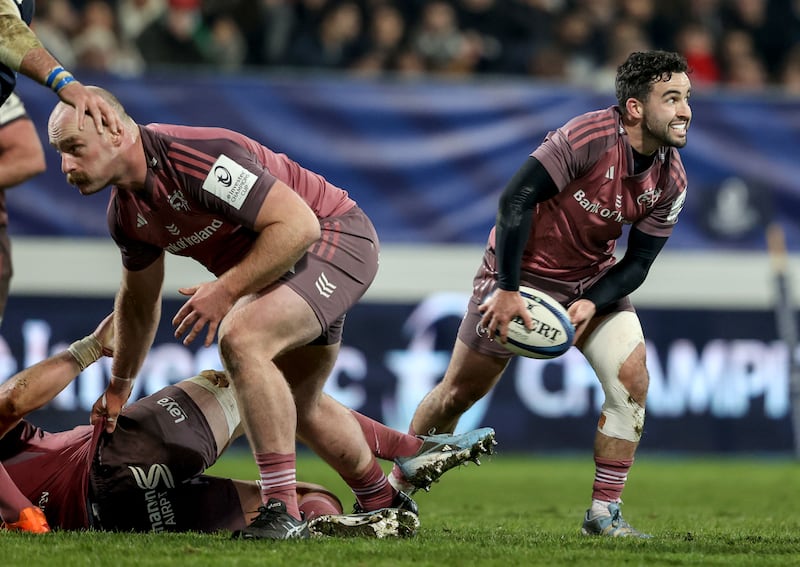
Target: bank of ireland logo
(223,176)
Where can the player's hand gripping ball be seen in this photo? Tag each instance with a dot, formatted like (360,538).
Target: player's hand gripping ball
(552,332)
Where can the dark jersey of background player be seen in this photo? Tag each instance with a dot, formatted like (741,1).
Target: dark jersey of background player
(8,77)
(146,476)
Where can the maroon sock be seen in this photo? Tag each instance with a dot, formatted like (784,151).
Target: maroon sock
(279,479)
(318,504)
(385,442)
(609,478)
(372,490)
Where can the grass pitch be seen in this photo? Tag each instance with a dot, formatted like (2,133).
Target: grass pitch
(513,510)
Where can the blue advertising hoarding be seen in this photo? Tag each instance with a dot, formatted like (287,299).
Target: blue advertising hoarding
(718,378)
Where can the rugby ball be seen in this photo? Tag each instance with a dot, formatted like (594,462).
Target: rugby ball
(552,332)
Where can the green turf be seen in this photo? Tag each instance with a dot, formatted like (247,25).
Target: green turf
(513,510)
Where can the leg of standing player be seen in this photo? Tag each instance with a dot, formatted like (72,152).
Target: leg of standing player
(221,412)
(343,446)
(285,341)
(469,376)
(614,346)
(251,337)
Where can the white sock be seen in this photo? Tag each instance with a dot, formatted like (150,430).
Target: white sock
(599,509)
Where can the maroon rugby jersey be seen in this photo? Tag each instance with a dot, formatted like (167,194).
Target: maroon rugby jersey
(203,191)
(52,470)
(574,234)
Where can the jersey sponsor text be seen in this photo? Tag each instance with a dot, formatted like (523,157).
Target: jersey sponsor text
(173,408)
(598,209)
(195,238)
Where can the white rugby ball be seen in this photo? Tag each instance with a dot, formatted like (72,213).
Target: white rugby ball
(552,332)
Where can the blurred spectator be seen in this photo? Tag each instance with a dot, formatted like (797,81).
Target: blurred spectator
(485,23)
(742,68)
(335,43)
(133,16)
(602,13)
(385,40)
(695,41)
(577,41)
(626,37)
(276,24)
(264,27)
(409,64)
(657,24)
(438,39)
(227,48)
(99,47)
(178,37)
(55,23)
(767,24)
(548,62)
(705,12)
(747,73)
(790,73)
(734,46)
(530,30)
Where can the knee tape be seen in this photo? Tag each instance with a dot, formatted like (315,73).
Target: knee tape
(607,349)
(226,397)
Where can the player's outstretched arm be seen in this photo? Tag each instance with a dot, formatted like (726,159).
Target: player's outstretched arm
(137,312)
(22,51)
(37,385)
(31,389)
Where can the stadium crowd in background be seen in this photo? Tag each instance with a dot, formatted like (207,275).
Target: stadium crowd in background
(741,44)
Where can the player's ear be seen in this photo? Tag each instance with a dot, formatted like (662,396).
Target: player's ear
(634,108)
(115,137)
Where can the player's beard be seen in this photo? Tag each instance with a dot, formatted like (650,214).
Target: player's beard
(663,134)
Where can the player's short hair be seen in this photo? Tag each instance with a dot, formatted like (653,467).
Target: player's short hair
(112,101)
(642,69)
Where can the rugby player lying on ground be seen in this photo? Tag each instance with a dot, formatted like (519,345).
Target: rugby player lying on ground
(148,475)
